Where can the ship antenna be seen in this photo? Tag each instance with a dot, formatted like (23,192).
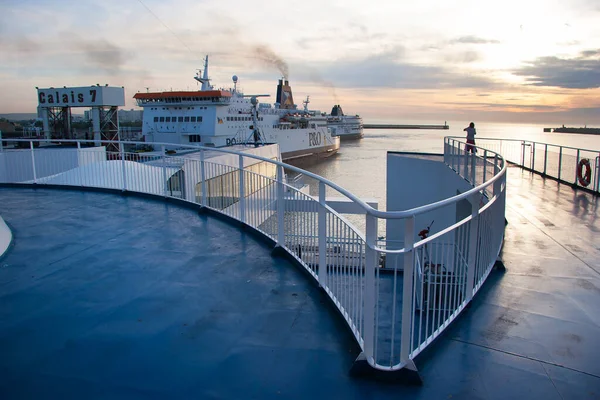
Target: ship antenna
(305,102)
(205,80)
(255,135)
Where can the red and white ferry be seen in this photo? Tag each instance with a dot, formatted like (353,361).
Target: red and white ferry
(223,117)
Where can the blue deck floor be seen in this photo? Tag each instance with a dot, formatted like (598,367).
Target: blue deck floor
(104,296)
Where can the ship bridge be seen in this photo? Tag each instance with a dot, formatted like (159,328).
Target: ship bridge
(215,97)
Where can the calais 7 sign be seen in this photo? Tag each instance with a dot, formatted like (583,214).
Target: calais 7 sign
(90,96)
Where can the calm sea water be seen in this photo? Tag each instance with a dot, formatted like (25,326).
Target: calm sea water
(360,165)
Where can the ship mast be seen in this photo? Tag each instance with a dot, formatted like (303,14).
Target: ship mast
(305,102)
(205,80)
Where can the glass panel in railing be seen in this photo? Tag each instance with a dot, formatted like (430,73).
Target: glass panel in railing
(552,161)
(568,168)
(261,202)
(538,157)
(16,162)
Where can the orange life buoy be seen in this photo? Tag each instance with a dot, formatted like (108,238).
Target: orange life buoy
(584,178)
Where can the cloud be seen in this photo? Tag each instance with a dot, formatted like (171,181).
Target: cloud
(573,116)
(470,39)
(390,70)
(101,54)
(590,53)
(582,72)
(69,49)
(503,106)
(463,57)
(354,32)
(569,43)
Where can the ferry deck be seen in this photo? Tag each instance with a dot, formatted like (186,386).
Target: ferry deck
(108,296)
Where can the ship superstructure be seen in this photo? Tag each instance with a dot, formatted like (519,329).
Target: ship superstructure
(223,117)
(347,126)
(340,124)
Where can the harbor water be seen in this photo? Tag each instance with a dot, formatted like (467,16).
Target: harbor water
(360,165)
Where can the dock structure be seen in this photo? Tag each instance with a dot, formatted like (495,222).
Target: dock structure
(568,129)
(397,126)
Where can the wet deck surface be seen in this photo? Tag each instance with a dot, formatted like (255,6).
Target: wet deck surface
(104,296)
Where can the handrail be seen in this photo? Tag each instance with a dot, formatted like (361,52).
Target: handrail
(527,141)
(368,209)
(341,258)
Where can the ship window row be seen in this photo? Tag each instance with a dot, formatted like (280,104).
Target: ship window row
(195,138)
(179,108)
(180,99)
(178,119)
(173,129)
(242,118)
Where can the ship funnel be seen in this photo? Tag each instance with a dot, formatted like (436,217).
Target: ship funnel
(284,95)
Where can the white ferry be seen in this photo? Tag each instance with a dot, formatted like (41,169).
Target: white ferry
(345,126)
(224,117)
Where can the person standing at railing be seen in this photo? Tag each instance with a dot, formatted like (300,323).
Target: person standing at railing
(470,147)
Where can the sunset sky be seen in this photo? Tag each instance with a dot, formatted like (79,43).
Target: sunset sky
(512,61)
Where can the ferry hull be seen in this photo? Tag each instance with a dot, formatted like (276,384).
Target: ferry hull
(351,136)
(312,153)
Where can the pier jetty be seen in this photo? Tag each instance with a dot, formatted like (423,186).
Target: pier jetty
(402,126)
(567,129)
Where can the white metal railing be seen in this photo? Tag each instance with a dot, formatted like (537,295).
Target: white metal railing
(396,301)
(559,162)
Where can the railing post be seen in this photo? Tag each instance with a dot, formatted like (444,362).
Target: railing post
(559,162)
(473,239)
(280,208)
(484,164)
(242,190)
(369,296)
(466,170)
(164,171)
(445,152)
(203,178)
(454,152)
(576,164)
(597,174)
(496,168)
(322,235)
(79,163)
(473,165)
(545,157)
(407,289)
(533,156)
(498,186)
(122,154)
(33,162)
(1,146)
(523,153)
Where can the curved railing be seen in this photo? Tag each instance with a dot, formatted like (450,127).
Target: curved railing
(551,160)
(396,298)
